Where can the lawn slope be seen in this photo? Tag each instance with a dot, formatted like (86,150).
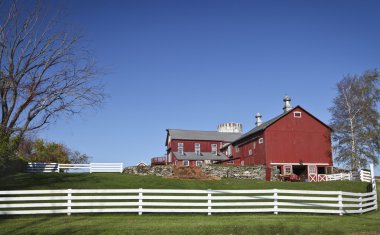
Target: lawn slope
(183,224)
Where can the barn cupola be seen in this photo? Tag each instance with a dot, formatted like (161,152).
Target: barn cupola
(287,106)
(258,119)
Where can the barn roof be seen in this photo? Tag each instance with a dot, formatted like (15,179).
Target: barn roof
(202,135)
(203,156)
(266,124)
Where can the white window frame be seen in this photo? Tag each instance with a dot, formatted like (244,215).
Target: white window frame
(180,149)
(312,169)
(197,149)
(261,140)
(250,152)
(297,114)
(186,163)
(288,167)
(198,163)
(214,149)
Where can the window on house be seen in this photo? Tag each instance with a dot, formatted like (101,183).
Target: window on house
(229,150)
(250,152)
(180,148)
(186,163)
(197,149)
(297,114)
(261,140)
(287,169)
(198,163)
(214,149)
(254,144)
(312,169)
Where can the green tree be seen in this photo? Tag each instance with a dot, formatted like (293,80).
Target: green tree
(49,152)
(355,120)
(42,151)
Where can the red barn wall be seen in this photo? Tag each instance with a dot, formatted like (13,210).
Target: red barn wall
(258,151)
(296,140)
(189,145)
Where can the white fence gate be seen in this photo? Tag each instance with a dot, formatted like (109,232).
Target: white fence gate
(91,167)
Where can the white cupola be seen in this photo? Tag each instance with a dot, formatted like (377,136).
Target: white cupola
(287,106)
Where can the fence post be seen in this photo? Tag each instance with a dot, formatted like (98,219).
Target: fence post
(373,182)
(69,201)
(121,167)
(209,202)
(275,195)
(90,167)
(140,201)
(340,202)
(361,204)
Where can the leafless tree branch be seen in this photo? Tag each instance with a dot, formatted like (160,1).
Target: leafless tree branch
(44,73)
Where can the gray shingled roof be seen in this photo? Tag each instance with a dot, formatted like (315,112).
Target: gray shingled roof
(202,135)
(203,156)
(262,126)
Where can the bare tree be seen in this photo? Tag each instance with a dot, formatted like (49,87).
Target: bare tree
(44,71)
(355,120)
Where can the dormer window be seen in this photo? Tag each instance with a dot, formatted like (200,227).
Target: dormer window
(197,149)
(180,149)
(214,149)
(297,114)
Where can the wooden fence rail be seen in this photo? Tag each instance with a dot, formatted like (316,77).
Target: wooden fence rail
(91,167)
(141,201)
(362,175)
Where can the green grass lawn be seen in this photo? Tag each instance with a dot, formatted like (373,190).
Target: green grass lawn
(368,223)
(117,180)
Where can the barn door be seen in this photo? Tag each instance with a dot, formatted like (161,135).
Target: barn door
(312,173)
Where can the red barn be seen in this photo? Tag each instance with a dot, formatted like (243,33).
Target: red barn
(192,148)
(294,142)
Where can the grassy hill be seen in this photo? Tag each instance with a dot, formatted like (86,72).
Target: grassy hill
(117,180)
(256,223)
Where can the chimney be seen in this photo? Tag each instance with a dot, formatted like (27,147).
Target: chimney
(287,106)
(258,119)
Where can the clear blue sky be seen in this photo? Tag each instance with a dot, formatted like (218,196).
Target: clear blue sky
(194,64)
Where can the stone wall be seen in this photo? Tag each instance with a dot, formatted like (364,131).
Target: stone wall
(164,170)
(256,172)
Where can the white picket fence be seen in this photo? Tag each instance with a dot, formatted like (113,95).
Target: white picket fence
(141,201)
(91,167)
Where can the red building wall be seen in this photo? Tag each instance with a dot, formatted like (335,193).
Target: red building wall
(189,145)
(298,140)
(250,143)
